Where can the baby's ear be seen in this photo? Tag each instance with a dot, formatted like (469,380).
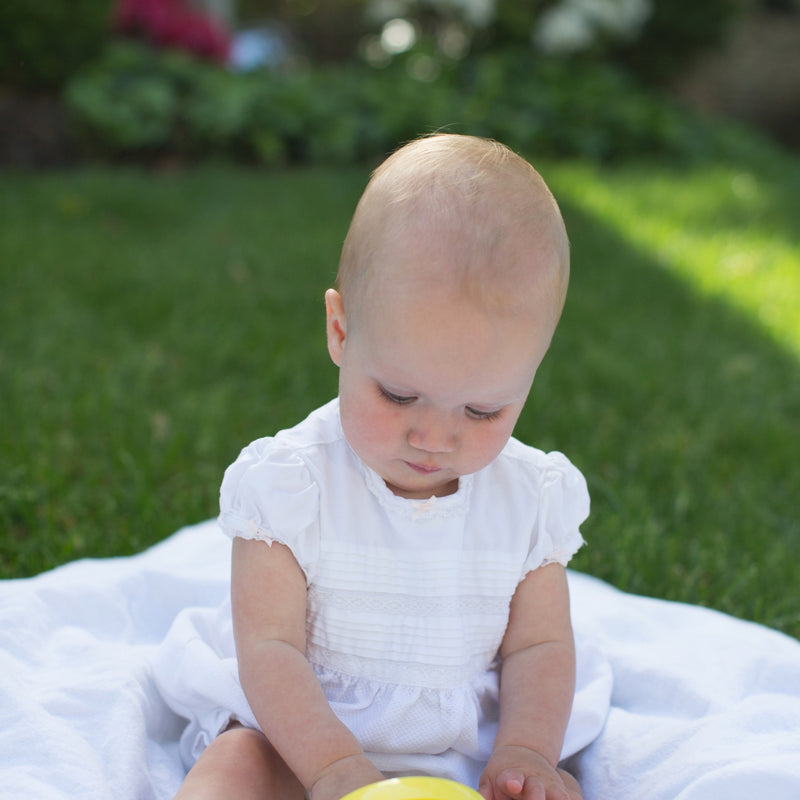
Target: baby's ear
(337,325)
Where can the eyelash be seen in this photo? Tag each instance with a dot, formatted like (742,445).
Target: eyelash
(400,400)
(397,399)
(482,416)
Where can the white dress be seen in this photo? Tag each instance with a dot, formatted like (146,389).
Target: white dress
(408,600)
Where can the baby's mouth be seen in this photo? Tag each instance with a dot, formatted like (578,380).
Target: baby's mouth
(423,469)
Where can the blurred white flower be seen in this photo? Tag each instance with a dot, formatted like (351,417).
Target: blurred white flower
(562,29)
(478,13)
(623,18)
(398,35)
(574,25)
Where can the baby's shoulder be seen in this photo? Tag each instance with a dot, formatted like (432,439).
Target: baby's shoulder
(548,491)
(527,477)
(321,427)
(524,460)
(286,461)
(272,490)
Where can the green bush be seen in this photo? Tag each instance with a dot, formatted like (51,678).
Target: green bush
(592,111)
(44,42)
(674,35)
(137,101)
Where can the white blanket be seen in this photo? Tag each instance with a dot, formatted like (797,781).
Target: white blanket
(704,706)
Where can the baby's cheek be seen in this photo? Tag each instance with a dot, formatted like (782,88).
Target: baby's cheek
(374,429)
(487,446)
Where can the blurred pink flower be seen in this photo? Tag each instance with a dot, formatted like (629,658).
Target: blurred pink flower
(174,24)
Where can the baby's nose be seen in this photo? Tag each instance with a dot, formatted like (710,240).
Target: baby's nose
(433,433)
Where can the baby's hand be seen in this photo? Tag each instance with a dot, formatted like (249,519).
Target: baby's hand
(344,776)
(517,773)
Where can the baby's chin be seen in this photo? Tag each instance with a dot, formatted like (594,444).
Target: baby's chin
(423,492)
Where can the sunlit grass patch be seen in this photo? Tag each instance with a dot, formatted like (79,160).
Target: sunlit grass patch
(731,231)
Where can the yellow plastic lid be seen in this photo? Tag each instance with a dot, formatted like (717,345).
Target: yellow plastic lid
(416,787)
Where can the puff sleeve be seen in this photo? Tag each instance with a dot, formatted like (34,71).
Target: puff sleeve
(563,504)
(269,493)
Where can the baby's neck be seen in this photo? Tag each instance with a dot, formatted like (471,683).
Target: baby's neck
(446,489)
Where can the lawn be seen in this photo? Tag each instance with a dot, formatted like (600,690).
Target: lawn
(155,322)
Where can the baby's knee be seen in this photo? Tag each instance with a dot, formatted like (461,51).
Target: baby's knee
(240,763)
(250,760)
(239,747)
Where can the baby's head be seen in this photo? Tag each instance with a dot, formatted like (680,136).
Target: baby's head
(478,215)
(451,283)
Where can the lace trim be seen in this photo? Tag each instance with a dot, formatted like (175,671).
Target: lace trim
(411,605)
(424,676)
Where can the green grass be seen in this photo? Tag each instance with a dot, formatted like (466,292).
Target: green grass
(152,324)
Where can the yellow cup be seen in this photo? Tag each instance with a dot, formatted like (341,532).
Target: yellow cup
(416,787)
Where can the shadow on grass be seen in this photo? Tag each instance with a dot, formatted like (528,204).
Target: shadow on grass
(685,417)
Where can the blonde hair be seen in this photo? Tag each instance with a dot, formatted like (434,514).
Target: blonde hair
(476,193)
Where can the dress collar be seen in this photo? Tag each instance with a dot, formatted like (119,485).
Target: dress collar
(432,508)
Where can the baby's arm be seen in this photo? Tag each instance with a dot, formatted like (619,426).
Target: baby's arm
(537,684)
(269,614)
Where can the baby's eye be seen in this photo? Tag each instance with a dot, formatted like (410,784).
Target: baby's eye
(397,399)
(482,415)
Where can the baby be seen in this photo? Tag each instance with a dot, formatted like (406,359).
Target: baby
(399,596)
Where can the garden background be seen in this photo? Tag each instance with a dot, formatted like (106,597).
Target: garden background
(169,222)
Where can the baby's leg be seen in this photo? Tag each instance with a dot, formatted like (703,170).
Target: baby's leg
(241,763)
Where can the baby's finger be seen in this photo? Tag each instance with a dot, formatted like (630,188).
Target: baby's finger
(545,788)
(515,785)
(486,790)
(556,790)
(512,782)
(571,785)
